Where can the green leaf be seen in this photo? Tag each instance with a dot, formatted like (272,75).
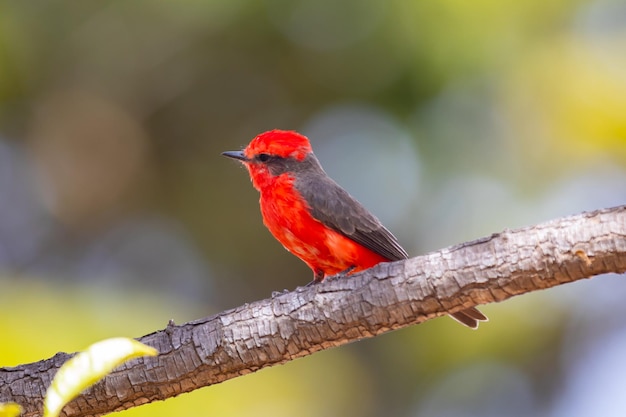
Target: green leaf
(88,367)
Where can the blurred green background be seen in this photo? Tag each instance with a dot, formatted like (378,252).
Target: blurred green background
(448,119)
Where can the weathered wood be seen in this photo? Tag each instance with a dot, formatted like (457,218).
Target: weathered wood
(298,323)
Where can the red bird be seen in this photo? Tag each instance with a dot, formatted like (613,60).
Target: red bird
(313,217)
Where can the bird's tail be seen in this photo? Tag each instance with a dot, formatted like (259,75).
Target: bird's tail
(470,317)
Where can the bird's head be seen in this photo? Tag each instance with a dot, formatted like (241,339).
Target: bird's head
(271,154)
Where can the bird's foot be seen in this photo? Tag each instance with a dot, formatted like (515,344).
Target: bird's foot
(319,276)
(277,293)
(341,274)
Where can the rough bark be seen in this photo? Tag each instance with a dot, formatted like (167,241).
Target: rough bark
(298,323)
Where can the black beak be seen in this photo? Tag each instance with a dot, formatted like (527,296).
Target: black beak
(235,155)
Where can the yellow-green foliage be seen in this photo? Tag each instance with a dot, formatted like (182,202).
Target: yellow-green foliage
(88,367)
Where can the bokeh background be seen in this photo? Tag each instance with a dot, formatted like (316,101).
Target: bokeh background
(449,119)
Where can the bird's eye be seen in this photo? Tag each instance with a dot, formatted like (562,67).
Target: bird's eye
(263,157)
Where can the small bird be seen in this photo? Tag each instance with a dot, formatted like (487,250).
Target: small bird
(313,217)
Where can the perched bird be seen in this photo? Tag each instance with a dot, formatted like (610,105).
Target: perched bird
(313,217)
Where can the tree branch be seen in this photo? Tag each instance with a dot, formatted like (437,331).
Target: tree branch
(298,323)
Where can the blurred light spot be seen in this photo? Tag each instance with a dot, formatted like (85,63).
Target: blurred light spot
(594,384)
(22,221)
(463,127)
(466,207)
(91,156)
(604,17)
(599,186)
(71,204)
(326,24)
(370,155)
(483,390)
(568,98)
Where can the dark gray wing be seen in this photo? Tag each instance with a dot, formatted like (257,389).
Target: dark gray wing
(333,206)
